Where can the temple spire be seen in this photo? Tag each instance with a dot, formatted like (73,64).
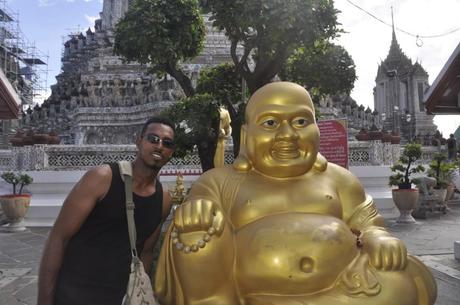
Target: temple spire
(113,11)
(395,54)
(392,22)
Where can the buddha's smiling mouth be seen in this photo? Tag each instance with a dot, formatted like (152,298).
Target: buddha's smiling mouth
(284,150)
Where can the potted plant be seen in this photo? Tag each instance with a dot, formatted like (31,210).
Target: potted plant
(443,172)
(15,205)
(362,135)
(405,197)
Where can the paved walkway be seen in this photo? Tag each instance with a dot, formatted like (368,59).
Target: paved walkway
(431,239)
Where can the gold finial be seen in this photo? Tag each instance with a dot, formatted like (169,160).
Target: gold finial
(178,193)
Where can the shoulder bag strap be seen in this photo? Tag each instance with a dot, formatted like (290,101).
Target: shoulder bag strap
(126,175)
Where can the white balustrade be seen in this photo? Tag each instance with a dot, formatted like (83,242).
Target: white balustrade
(81,157)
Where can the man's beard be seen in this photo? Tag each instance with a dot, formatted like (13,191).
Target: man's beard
(156,167)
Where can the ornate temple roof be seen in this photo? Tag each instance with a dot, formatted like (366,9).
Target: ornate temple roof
(396,61)
(417,69)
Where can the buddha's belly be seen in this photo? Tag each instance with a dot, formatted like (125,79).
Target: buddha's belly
(292,253)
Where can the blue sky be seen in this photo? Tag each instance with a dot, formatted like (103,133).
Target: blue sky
(48,22)
(367,40)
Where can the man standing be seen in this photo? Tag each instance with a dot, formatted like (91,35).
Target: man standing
(452,147)
(86,260)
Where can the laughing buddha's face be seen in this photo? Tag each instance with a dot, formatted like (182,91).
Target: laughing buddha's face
(282,137)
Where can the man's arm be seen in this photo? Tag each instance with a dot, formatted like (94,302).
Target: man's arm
(77,206)
(149,245)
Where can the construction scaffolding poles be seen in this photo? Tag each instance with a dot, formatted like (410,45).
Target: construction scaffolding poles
(25,66)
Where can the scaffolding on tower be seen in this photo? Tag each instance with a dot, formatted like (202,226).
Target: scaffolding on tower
(25,66)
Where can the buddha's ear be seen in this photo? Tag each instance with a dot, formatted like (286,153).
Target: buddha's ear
(320,163)
(242,162)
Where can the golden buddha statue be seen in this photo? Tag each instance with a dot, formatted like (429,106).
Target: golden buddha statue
(225,131)
(178,193)
(282,226)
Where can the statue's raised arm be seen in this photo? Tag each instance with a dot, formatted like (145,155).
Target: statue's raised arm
(282,226)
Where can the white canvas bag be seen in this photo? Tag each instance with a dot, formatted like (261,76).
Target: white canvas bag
(139,290)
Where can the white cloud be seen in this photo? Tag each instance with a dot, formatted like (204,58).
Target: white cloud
(46,2)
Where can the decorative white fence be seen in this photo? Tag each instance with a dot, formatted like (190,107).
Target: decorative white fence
(80,157)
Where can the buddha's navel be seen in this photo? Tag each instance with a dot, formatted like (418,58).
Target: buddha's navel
(307,264)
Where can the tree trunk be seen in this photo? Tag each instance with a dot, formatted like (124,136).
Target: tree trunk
(236,135)
(236,127)
(183,80)
(207,147)
(206,151)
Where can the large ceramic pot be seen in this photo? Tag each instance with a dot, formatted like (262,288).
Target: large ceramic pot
(441,194)
(41,138)
(450,191)
(54,138)
(375,135)
(386,137)
(14,207)
(395,138)
(28,138)
(362,135)
(16,141)
(405,200)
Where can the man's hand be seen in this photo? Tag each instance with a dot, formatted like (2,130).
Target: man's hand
(386,252)
(198,215)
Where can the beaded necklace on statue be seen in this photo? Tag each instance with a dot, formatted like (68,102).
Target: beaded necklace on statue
(193,247)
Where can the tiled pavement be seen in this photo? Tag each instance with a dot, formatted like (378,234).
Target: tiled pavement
(20,255)
(431,239)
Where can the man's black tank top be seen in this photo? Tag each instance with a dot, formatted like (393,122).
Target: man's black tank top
(96,262)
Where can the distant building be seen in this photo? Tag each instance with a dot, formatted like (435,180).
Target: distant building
(398,95)
(99,98)
(22,67)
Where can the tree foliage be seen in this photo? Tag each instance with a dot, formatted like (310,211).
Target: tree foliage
(270,31)
(263,35)
(198,122)
(324,70)
(404,169)
(16,179)
(223,83)
(162,34)
(442,170)
(198,115)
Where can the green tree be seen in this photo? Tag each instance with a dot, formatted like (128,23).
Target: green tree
(198,115)
(405,168)
(323,70)
(16,179)
(270,31)
(223,83)
(162,34)
(198,119)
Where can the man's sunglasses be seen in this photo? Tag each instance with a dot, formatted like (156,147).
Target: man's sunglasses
(154,139)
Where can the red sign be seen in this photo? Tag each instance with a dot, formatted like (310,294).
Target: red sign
(333,143)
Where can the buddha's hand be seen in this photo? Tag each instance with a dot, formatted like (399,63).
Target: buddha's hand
(385,251)
(198,215)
